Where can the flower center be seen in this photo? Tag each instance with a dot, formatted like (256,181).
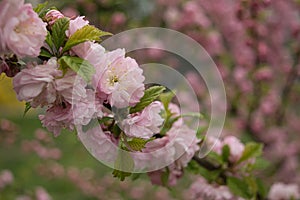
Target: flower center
(113,79)
(26,27)
(17,29)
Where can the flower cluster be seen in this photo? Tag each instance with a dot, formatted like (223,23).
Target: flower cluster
(79,82)
(236,147)
(101,94)
(200,189)
(182,144)
(284,191)
(118,81)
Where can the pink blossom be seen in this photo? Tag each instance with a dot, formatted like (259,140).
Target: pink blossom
(195,14)
(71,87)
(264,73)
(137,192)
(215,45)
(86,109)
(76,24)
(6,178)
(270,103)
(156,177)
(36,84)
(162,193)
(122,80)
(172,15)
(175,110)
(281,191)
(215,144)
(101,61)
(44,85)
(42,194)
(168,2)
(144,124)
(201,189)
(52,16)
(185,142)
(42,135)
(67,115)
(174,175)
(177,148)
(58,117)
(90,51)
(157,154)
(21,30)
(8,8)
(195,81)
(95,54)
(236,147)
(70,12)
(118,18)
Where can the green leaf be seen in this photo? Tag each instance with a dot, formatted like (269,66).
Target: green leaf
(261,164)
(252,186)
(41,9)
(49,42)
(193,167)
(225,153)
(150,95)
(251,150)
(200,132)
(238,187)
(45,53)
(137,144)
(120,175)
(209,175)
(166,98)
(169,121)
(59,32)
(105,119)
(262,190)
(82,67)
(215,158)
(214,174)
(27,108)
(86,33)
(116,130)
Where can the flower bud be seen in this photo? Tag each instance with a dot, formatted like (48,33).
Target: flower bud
(52,16)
